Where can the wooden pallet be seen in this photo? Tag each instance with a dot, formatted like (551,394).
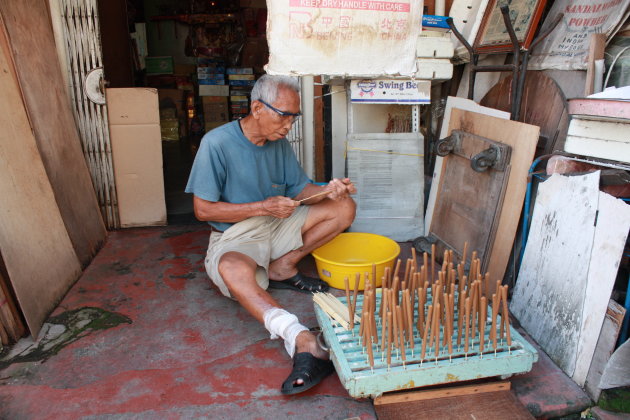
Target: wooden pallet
(353,369)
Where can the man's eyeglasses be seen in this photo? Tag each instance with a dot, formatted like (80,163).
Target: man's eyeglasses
(283,114)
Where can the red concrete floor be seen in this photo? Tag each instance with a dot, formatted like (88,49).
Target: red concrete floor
(190,353)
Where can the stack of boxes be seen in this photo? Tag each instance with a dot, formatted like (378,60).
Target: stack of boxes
(214,92)
(241,80)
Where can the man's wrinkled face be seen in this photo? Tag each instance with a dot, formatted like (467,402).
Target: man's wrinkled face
(276,119)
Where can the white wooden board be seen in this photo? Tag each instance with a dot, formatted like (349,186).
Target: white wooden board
(613,222)
(388,173)
(467,15)
(549,293)
(602,139)
(467,105)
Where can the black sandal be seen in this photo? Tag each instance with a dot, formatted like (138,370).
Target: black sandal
(300,283)
(309,369)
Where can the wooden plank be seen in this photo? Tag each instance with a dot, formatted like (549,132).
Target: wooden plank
(40,259)
(522,138)
(467,105)
(32,44)
(431,394)
(595,52)
(611,232)
(605,347)
(9,316)
(548,297)
(539,93)
(488,406)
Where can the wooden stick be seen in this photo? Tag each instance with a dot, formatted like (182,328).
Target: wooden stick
(407,271)
(449,329)
(506,315)
(414,257)
(357,280)
(482,325)
(432,263)
(421,301)
(437,330)
(409,315)
(425,332)
(466,317)
(384,304)
(493,333)
(314,196)
(346,283)
(460,316)
(475,307)
(389,338)
(465,254)
(374,275)
(395,289)
(397,269)
(400,333)
(386,274)
(368,342)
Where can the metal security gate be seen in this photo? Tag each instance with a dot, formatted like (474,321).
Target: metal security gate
(81,33)
(295,136)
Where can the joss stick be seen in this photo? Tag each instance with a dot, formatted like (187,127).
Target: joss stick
(397,269)
(482,324)
(414,257)
(407,270)
(487,285)
(374,274)
(357,280)
(505,318)
(370,351)
(403,286)
(409,316)
(460,316)
(474,308)
(412,290)
(472,271)
(437,330)
(373,317)
(400,333)
(466,316)
(495,310)
(449,329)
(389,338)
(420,323)
(426,330)
(460,276)
(396,328)
(386,274)
(446,314)
(464,254)
(395,289)
(384,305)
(348,301)
(432,263)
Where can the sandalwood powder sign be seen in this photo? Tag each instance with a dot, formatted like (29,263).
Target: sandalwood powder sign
(343,37)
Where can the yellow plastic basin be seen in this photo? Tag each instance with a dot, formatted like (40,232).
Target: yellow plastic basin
(354,252)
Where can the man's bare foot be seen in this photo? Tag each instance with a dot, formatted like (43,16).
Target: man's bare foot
(306,341)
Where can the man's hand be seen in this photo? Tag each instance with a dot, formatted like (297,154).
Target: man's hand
(340,188)
(279,206)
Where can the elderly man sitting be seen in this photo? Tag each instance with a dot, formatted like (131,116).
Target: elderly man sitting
(247,183)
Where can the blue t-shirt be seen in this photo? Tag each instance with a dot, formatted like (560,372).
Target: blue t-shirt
(230,168)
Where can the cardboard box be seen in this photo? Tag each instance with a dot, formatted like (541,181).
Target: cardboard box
(215,112)
(214,90)
(242,82)
(240,70)
(211,82)
(160,65)
(134,129)
(241,77)
(214,100)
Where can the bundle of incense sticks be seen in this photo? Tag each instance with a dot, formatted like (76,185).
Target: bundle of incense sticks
(433,313)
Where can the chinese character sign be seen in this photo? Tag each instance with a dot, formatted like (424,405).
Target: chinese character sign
(343,37)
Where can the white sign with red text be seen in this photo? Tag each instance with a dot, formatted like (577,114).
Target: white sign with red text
(362,38)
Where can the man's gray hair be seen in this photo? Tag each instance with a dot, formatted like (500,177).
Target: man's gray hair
(266,88)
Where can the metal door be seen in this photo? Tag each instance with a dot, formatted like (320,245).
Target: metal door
(84,59)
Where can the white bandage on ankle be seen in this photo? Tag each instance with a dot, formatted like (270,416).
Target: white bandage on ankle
(285,325)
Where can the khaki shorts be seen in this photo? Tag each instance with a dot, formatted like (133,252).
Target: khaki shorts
(262,238)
